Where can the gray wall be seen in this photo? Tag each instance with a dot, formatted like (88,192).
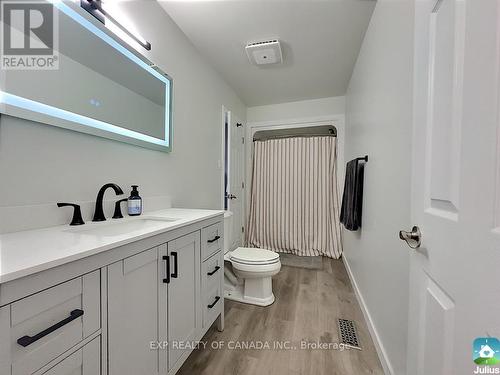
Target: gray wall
(379,123)
(41,164)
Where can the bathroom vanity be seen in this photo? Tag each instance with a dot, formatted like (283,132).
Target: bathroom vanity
(121,297)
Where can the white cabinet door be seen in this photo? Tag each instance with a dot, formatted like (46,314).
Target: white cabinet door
(85,361)
(133,314)
(184,312)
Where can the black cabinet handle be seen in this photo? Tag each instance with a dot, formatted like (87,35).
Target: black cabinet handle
(28,340)
(214,303)
(176,265)
(166,258)
(214,239)
(214,271)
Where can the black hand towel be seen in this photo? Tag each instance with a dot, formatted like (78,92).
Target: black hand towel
(352,200)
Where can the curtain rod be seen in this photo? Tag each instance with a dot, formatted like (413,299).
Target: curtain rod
(309,131)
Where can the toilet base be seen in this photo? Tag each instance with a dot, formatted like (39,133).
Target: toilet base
(252,284)
(236,293)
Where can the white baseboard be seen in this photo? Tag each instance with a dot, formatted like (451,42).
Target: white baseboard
(382,354)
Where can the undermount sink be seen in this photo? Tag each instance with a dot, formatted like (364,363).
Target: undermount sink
(121,227)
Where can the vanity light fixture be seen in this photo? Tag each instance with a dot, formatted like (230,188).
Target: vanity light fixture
(94,7)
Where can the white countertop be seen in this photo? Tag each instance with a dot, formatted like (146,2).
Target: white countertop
(25,253)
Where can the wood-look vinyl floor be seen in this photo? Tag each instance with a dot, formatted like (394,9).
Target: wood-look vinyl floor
(308,303)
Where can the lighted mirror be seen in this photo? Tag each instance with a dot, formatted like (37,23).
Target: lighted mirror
(100,86)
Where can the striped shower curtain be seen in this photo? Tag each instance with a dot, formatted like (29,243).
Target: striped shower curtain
(294,205)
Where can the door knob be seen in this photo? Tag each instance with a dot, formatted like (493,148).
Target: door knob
(413,238)
(230,196)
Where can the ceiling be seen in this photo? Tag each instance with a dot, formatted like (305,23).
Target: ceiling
(320,42)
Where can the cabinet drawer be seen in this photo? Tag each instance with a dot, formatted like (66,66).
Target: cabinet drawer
(211,240)
(46,324)
(213,302)
(212,271)
(85,361)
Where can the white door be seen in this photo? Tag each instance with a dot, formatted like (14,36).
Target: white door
(236,175)
(455,274)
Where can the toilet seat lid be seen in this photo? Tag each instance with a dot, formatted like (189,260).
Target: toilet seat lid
(254,256)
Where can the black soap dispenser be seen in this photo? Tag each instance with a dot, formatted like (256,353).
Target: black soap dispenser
(134,202)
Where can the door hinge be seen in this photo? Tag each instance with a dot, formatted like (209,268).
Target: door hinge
(238,124)
(243,140)
(242,185)
(242,229)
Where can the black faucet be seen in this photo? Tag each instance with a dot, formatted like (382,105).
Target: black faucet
(99,212)
(118,210)
(77,213)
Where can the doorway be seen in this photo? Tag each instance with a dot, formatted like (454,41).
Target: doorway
(233,185)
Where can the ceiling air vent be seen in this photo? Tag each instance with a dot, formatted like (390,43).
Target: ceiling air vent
(263,53)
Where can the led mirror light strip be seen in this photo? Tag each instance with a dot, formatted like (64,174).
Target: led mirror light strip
(32,105)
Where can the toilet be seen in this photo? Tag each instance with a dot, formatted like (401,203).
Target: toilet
(248,271)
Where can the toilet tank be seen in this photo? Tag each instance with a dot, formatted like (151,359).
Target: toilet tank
(228,230)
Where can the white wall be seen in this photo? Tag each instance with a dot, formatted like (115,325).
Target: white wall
(306,108)
(41,165)
(379,123)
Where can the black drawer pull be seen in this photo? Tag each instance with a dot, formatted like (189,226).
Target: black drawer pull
(166,258)
(214,271)
(214,303)
(214,239)
(28,340)
(175,274)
